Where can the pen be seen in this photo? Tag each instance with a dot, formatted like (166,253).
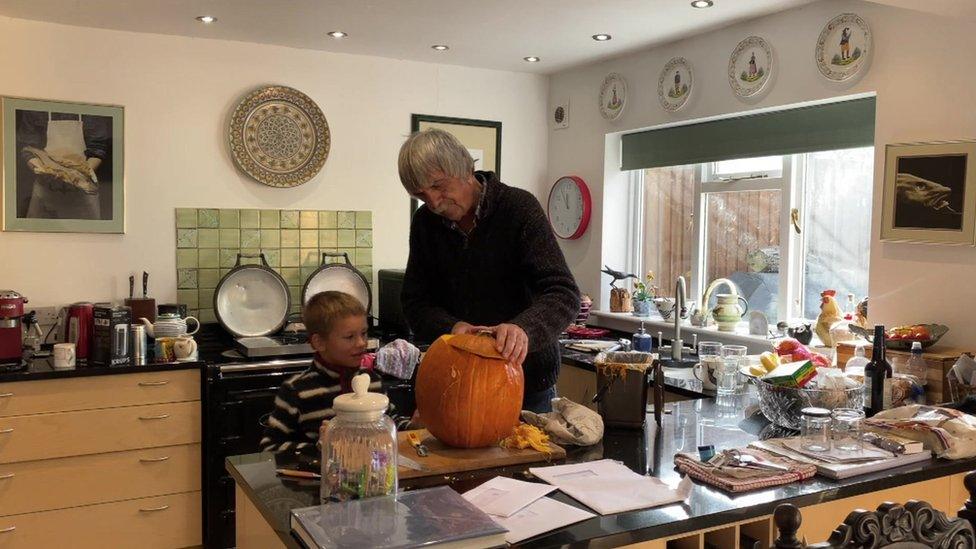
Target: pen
(297,473)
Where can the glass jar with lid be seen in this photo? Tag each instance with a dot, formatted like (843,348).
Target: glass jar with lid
(815,429)
(359,446)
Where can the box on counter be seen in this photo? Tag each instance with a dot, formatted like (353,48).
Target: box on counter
(792,374)
(110,340)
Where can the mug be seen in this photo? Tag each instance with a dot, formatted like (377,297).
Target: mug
(705,371)
(185,348)
(164,349)
(64,356)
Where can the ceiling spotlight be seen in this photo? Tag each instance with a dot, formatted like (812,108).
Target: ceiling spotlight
(602,37)
(531,59)
(702,3)
(207,19)
(337,34)
(440,47)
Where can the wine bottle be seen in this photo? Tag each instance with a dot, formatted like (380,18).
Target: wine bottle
(877,377)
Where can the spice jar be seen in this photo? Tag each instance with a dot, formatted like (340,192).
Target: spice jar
(815,429)
(359,446)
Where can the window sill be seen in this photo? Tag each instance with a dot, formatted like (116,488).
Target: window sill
(654,323)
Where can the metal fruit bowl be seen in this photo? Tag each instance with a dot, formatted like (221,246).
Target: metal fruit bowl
(782,405)
(937,331)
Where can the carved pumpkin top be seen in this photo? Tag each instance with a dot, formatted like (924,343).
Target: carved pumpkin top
(482,345)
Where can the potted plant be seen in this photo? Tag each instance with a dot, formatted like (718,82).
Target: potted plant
(644,294)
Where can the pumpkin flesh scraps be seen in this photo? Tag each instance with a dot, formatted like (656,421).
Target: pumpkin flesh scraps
(527,436)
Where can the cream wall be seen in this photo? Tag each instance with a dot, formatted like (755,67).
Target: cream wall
(924,74)
(178,93)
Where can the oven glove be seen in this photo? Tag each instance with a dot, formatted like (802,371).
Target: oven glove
(568,423)
(398,358)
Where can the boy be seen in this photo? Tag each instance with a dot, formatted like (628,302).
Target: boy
(336,323)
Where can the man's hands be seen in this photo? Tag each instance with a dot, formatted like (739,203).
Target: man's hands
(511,341)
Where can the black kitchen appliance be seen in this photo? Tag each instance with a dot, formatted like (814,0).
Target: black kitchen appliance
(392,322)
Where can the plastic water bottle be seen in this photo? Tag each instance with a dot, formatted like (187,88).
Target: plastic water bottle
(916,365)
(856,364)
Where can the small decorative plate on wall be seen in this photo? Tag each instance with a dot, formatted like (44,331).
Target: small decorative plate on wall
(750,66)
(560,115)
(279,136)
(613,96)
(675,84)
(843,47)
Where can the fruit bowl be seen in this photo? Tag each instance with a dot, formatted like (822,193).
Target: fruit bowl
(936,330)
(782,405)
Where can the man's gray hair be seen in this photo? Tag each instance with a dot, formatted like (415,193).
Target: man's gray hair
(428,151)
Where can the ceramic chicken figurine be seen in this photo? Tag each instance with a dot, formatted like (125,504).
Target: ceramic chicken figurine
(830,313)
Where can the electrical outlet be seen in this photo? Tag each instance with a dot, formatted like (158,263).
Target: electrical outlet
(46,316)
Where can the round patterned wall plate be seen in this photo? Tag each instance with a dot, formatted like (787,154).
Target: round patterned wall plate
(843,47)
(675,84)
(279,136)
(613,96)
(750,66)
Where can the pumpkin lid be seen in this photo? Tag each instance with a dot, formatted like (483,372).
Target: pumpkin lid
(360,400)
(482,345)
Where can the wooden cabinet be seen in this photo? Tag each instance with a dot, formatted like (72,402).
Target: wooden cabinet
(107,460)
(577,384)
(939,360)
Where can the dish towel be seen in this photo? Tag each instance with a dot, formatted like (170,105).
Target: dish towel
(741,479)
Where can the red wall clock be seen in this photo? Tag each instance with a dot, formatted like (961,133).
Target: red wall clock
(569,207)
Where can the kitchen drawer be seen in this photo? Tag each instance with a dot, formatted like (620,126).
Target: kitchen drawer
(88,393)
(32,486)
(45,436)
(164,522)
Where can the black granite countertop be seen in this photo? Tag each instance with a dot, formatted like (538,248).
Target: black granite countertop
(724,422)
(43,368)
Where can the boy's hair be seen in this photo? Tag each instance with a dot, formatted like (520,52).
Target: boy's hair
(325,308)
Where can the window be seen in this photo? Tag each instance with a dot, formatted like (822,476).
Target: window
(782,228)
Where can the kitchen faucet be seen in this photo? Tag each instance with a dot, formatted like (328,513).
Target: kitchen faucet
(679,310)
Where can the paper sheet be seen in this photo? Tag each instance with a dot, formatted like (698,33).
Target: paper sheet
(608,486)
(503,497)
(541,516)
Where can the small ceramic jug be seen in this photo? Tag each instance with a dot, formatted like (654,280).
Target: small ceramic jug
(727,312)
(185,348)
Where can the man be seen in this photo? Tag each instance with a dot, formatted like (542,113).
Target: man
(482,256)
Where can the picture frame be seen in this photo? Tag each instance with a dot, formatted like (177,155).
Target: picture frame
(929,194)
(482,138)
(63,166)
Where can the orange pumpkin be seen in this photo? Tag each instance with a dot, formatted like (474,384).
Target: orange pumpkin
(468,396)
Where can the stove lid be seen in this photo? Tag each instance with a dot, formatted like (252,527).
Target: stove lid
(341,277)
(252,300)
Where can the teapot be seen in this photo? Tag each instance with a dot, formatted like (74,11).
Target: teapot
(727,312)
(169,325)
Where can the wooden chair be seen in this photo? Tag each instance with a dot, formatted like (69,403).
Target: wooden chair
(915,525)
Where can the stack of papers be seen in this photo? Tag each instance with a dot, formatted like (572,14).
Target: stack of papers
(839,470)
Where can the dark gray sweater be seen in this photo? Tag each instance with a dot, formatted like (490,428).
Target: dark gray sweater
(508,270)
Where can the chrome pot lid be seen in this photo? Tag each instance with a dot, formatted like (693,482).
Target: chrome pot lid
(252,300)
(340,277)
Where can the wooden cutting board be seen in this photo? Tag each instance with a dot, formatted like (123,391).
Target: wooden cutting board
(443,460)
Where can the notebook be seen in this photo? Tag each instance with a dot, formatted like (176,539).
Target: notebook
(838,471)
(433,517)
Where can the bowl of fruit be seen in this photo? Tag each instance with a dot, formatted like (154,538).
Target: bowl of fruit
(901,337)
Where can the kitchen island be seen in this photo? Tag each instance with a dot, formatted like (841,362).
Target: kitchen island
(709,516)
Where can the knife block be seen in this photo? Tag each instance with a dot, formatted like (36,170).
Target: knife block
(142,307)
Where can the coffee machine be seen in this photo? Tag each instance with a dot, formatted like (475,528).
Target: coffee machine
(11,327)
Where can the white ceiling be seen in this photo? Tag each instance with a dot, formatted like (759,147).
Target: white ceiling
(481,33)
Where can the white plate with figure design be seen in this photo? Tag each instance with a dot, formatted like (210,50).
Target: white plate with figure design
(613,96)
(675,84)
(750,66)
(843,47)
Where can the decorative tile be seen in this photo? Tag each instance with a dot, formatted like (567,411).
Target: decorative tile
(347,220)
(230,219)
(289,257)
(208,218)
(230,238)
(347,238)
(207,315)
(186,238)
(251,256)
(289,238)
(368,273)
(364,220)
(223,272)
(289,219)
(206,298)
(309,238)
(364,239)
(310,257)
(307,272)
(292,275)
(308,219)
(328,238)
(209,278)
(327,220)
(209,238)
(270,238)
(250,238)
(186,218)
(186,258)
(250,219)
(273,256)
(335,258)
(186,278)
(350,253)
(228,258)
(187,297)
(209,258)
(269,219)
(364,256)
(296,294)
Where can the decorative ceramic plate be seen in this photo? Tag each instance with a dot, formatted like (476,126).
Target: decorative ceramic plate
(843,47)
(675,84)
(750,66)
(279,136)
(613,96)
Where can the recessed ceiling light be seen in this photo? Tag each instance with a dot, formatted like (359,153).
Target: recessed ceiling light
(337,34)
(440,47)
(531,59)
(602,37)
(702,3)
(207,19)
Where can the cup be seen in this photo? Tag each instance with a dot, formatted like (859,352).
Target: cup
(64,356)
(726,378)
(164,349)
(709,360)
(845,429)
(185,348)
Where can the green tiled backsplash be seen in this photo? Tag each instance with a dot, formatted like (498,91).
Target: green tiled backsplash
(209,239)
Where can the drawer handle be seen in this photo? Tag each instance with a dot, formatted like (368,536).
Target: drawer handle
(7,476)
(154,509)
(8,530)
(153,460)
(147,418)
(153,383)
(6,395)
(6,431)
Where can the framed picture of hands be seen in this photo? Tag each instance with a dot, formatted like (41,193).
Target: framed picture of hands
(62,166)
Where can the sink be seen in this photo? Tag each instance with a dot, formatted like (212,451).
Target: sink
(685,362)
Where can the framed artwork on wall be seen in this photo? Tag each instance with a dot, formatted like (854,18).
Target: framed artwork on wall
(482,138)
(929,194)
(63,166)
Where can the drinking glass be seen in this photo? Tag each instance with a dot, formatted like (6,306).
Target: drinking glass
(732,357)
(710,357)
(845,429)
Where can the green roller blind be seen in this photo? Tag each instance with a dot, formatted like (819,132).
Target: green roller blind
(830,126)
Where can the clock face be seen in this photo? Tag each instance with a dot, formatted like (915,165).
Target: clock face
(569,207)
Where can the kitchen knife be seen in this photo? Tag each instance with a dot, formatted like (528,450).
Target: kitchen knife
(132,285)
(145,284)
(410,464)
